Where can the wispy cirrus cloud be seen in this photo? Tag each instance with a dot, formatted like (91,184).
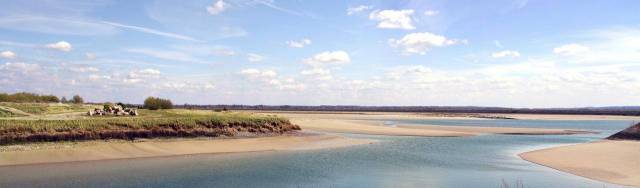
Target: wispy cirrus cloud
(152,31)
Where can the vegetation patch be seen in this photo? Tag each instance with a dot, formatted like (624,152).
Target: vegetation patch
(6,113)
(129,128)
(47,108)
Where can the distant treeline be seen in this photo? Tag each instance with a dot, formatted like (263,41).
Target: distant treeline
(625,110)
(27,97)
(24,97)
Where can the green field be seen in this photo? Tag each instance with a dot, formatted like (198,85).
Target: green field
(49,126)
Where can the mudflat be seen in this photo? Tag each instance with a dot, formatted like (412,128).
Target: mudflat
(100,150)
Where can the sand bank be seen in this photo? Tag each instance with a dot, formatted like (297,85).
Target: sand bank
(373,124)
(368,127)
(610,161)
(100,150)
(497,130)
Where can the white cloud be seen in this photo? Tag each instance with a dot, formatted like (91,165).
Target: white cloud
(570,49)
(431,12)
(7,54)
(505,53)
(62,46)
(136,76)
(84,69)
(24,68)
(254,58)
(185,86)
(393,19)
(403,71)
(299,44)
(256,73)
(149,72)
(328,58)
(358,9)
(318,73)
(217,7)
(420,43)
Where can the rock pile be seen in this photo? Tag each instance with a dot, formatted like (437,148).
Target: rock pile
(116,110)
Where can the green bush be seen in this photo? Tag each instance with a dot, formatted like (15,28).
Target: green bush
(77,99)
(155,103)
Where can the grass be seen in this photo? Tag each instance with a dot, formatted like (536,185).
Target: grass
(151,124)
(48,108)
(5,113)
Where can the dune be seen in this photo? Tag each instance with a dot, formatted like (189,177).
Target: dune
(610,161)
(100,150)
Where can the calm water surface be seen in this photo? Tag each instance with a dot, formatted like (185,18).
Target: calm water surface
(482,161)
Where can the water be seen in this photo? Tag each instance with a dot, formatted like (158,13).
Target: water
(482,161)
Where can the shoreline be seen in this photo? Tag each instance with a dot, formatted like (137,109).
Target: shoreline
(101,150)
(611,161)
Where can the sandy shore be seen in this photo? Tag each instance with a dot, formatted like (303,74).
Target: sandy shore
(99,150)
(373,124)
(412,115)
(368,127)
(610,161)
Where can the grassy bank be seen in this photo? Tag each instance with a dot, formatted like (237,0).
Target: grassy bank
(6,113)
(152,124)
(48,108)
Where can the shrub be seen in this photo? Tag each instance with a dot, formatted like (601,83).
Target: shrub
(155,103)
(77,99)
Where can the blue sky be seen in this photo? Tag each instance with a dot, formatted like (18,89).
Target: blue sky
(512,53)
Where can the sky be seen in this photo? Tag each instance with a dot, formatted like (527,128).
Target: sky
(508,53)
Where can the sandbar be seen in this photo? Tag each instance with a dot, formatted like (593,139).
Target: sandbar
(610,161)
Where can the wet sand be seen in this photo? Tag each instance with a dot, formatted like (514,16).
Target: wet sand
(100,150)
(610,161)
(368,127)
(366,123)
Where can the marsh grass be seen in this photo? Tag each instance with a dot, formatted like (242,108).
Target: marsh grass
(47,108)
(163,123)
(5,113)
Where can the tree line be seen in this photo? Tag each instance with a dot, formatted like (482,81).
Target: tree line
(23,97)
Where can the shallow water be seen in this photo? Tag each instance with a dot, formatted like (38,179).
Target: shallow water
(482,161)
